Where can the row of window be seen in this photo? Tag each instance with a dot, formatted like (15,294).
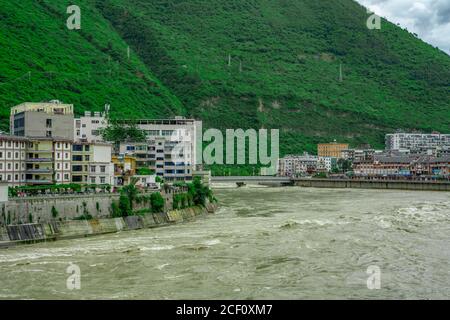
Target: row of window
(58,177)
(9,155)
(9,144)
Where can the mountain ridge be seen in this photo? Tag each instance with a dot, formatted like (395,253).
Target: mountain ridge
(284,72)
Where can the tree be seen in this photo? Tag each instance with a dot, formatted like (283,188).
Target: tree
(344,165)
(131,191)
(199,192)
(116,132)
(124,206)
(157,202)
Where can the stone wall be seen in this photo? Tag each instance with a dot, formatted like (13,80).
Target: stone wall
(39,209)
(37,232)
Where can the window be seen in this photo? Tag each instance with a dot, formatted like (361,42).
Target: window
(49,134)
(77,158)
(102,169)
(9,155)
(87,158)
(92,179)
(1,166)
(48,123)
(1,177)
(58,176)
(9,177)
(86,148)
(66,176)
(16,155)
(77,168)
(92,168)
(1,154)
(66,146)
(66,155)
(58,155)
(17,166)
(102,180)
(58,145)
(9,167)
(16,177)
(66,166)
(77,147)
(16,144)
(94,132)
(58,166)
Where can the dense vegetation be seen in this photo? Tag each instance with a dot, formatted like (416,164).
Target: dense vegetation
(284,70)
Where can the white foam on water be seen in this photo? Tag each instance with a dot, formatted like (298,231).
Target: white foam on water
(157,248)
(212,242)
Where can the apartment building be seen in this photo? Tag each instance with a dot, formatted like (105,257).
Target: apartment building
(417,143)
(91,163)
(28,161)
(42,119)
(88,127)
(124,169)
(293,165)
(48,161)
(331,150)
(403,165)
(170,149)
(360,154)
(13,160)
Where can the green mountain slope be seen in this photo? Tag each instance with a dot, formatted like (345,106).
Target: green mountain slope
(88,68)
(284,71)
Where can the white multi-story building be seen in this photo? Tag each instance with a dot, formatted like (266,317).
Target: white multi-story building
(88,127)
(417,142)
(166,139)
(91,163)
(12,160)
(292,165)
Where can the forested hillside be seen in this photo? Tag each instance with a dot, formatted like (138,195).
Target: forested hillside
(232,63)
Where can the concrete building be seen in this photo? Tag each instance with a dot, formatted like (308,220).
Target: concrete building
(124,169)
(28,161)
(403,166)
(360,154)
(48,161)
(87,128)
(166,138)
(92,163)
(293,165)
(417,143)
(42,119)
(332,150)
(13,160)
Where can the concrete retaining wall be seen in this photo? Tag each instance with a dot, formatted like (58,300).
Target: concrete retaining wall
(39,209)
(37,232)
(402,185)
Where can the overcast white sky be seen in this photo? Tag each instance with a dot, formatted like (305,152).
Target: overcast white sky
(430,19)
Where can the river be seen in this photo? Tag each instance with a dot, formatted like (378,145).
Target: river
(263,243)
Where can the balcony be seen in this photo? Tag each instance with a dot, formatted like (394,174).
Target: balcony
(39,171)
(39,182)
(34,160)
